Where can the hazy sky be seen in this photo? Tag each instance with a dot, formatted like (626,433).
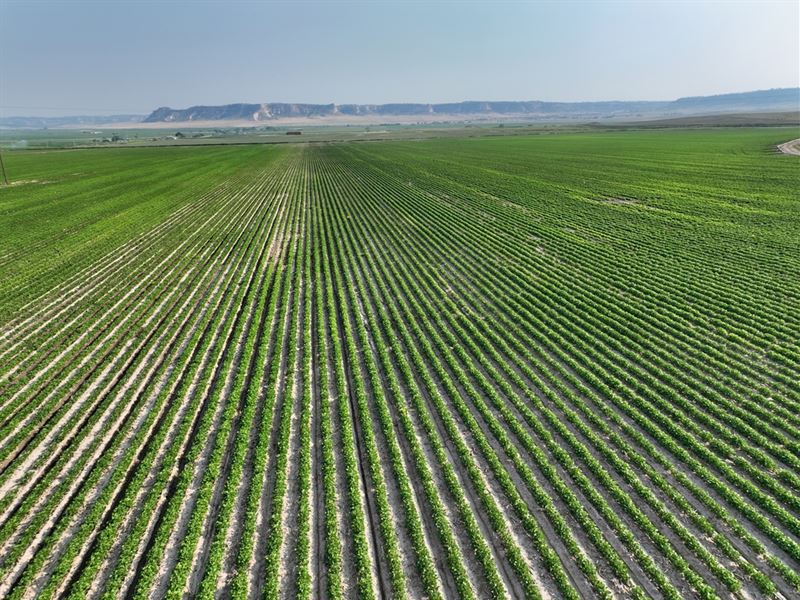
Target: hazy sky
(71,57)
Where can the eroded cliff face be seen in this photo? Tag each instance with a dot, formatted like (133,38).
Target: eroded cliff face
(779,99)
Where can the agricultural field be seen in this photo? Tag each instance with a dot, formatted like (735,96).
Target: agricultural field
(553,366)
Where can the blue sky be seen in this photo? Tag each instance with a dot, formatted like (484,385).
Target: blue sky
(99,57)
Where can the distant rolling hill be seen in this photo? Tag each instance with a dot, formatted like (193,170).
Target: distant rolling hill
(785,99)
(242,114)
(736,119)
(69,121)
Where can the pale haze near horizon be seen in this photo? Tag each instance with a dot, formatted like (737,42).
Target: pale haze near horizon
(68,58)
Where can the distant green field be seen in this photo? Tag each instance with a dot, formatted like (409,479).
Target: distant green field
(110,137)
(561,366)
(66,209)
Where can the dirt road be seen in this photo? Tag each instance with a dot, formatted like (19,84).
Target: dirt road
(791,147)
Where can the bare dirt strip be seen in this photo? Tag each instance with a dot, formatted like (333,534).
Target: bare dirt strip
(341,375)
(167,313)
(790,147)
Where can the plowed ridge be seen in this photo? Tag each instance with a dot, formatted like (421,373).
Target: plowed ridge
(425,370)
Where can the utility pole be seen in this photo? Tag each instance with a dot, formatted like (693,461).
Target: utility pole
(3,169)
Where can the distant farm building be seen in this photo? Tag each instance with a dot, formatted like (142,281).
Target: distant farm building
(294,133)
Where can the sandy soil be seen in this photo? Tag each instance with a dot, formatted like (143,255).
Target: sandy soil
(790,147)
(27,181)
(165,313)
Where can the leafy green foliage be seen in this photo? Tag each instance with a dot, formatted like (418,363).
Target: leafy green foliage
(554,365)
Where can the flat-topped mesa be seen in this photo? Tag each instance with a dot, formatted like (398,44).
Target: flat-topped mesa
(278,110)
(765,100)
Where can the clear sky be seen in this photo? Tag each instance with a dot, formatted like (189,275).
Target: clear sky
(114,56)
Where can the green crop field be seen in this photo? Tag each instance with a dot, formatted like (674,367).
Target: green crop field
(549,366)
